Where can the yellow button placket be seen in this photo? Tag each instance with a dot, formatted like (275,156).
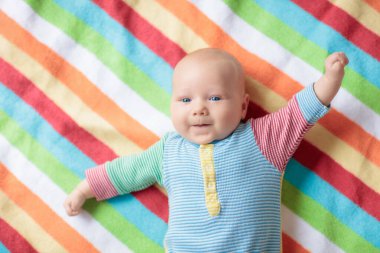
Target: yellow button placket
(206,153)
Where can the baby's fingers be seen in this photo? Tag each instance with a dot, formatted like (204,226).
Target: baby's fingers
(71,208)
(338,57)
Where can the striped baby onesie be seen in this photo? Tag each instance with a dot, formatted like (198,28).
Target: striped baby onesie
(224,196)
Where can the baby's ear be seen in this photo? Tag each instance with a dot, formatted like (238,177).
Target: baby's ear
(245,105)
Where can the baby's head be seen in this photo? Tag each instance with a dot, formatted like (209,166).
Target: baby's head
(209,99)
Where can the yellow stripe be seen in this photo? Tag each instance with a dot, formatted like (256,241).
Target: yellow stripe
(168,24)
(64,98)
(206,153)
(27,227)
(362,12)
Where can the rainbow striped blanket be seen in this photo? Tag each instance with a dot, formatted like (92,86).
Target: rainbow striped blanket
(83,82)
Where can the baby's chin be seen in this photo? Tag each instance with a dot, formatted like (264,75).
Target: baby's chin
(202,136)
(203,139)
(199,138)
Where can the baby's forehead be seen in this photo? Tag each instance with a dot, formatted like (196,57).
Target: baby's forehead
(206,62)
(210,58)
(210,55)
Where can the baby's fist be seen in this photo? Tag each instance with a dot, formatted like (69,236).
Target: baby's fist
(329,84)
(73,203)
(76,198)
(336,62)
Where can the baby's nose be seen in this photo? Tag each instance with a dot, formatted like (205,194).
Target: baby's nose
(200,113)
(200,110)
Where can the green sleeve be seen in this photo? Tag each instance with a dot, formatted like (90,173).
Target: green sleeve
(139,171)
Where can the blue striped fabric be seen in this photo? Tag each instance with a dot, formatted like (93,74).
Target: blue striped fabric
(248,188)
(312,109)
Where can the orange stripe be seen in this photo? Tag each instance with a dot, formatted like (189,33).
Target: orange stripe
(273,78)
(374,4)
(291,246)
(352,134)
(42,214)
(70,76)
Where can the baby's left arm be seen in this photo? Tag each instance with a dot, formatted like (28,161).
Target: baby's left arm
(278,134)
(328,85)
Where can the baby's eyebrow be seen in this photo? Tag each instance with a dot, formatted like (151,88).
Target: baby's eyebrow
(179,97)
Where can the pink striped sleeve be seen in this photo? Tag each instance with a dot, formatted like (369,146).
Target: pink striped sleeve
(100,183)
(278,134)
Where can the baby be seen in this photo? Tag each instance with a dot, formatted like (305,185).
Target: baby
(222,176)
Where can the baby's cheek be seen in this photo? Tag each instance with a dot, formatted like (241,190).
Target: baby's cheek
(181,125)
(232,120)
(226,124)
(232,117)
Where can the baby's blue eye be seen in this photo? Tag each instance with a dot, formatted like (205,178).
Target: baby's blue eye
(186,100)
(214,98)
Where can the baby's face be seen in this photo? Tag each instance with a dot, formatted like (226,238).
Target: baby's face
(208,99)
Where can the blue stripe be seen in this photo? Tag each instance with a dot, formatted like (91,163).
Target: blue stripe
(122,40)
(324,36)
(3,249)
(41,131)
(72,158)
(337,204)
(146,221)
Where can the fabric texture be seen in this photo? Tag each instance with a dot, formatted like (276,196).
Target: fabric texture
(84,82)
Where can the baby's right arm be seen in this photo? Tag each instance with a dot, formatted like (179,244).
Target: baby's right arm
(77,197)
(121,176)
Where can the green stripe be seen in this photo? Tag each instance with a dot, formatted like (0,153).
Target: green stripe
(323,221)
(37,154)
(105,52)
(137,171)
(66,180)
(300,46)
(121,228)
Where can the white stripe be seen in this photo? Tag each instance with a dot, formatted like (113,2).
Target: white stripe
(88,64)
(310,238)
(269,50)
(38,183)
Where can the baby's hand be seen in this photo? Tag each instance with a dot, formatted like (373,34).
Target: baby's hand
(74,203)
(76,199)
(334,66)
(329,84)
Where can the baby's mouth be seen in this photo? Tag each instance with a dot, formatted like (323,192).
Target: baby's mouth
(201,125)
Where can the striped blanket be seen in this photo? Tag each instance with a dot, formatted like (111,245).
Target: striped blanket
(83,82)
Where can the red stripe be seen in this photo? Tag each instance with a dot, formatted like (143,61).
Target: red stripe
(63,124)
(345,24)
(12,240)
(342,180)
(279,134)
(346,183)
(159,206)
(58,119)
(142,30)
(291,246)
(100,184)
